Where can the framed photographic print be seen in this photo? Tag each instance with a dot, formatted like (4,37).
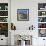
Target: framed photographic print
(23,14)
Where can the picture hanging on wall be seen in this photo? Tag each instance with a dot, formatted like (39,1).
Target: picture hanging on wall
(22,14)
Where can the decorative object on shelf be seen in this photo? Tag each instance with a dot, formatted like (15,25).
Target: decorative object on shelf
(42,32)
(4,29)
(3,19)
(23,14)
(13,27)
(45,7)
(4,26)
(31,27)
(40,25)
(41,6)
(3,13)
(0,7)
(6,7)
(43,13)
(41,19)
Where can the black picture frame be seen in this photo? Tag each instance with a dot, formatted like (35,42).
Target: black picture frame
(22,14)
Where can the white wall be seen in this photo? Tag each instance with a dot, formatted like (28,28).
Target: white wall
(32,5)
(23,25)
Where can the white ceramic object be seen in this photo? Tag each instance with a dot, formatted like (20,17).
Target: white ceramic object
(43,13)
(6,7)
(3,40)
(42,8)
(45,6)
(0,8)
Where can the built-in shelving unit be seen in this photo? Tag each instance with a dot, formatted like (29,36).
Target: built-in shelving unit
(42,19)
(4,19)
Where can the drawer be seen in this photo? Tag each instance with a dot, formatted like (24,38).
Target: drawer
(3,41)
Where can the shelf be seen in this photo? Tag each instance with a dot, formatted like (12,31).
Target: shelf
(3,10)
(41,10)
(3,16)
(42,16)
(41,28)
(3,22)
(41,22)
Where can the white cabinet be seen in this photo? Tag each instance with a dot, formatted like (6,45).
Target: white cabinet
(3,40)
(41,41)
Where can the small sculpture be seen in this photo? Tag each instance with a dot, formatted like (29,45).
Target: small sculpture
(13,27)
(31,27)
